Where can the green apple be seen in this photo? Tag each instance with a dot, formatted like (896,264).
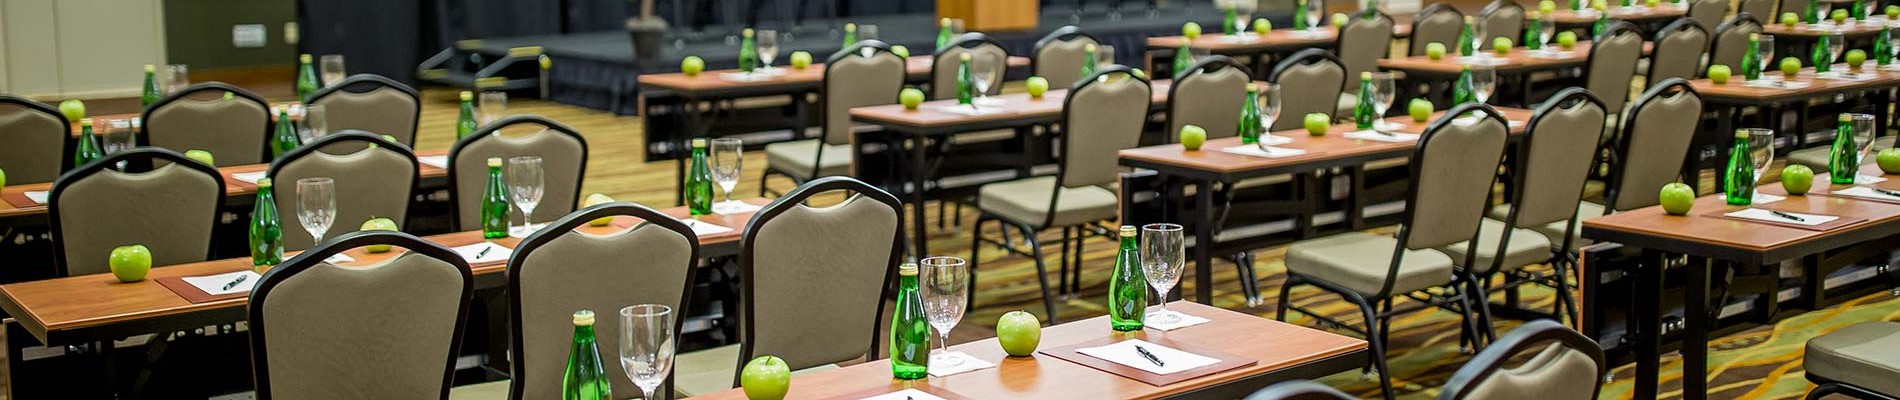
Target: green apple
(1019,332)
(1421,109)
(1893,13)
(1340,19)
(1888,158)
(3,178)
(1790,67)
(1191,30)
(900,51)
(1546,6)
(378,224)
(1566,39)
(201,156)
(1192,136)
(1677,198)
(1719,74)
(911,97)
(598,199)
(1855,58)
(1501,45)
(1036,85)
(130,263)
(692,65)
(1796,179)
(1435,50)
(1839,15)
(1318,123)
(801,59)
(766,378)
(1652,3)
(73,109)
(1138,73)
(1789,19)
(1262,26)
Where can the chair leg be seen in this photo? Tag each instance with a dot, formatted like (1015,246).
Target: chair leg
(1062,269)
(1480,297)
(1565,299)
(1075,277)
(976,245)
(1279,313)
(1042,274)
(1243,264)
(1377,342)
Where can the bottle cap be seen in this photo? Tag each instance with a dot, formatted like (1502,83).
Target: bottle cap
(1741,133)
(150,68)
(1845,117)
(963,57)
(1754,36)
(304,58)
(1089,47)
(584,318)
(699,143)
(747,32)
(850,27)
(467,95)
(1537,15)
(1365,76)
(263,182)
(494,162)
(1253,88)
(1469,20)
(907,269)
(944,22)
(1128,231)
(85,122)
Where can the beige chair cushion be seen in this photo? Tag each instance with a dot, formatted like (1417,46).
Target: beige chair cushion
(1554,232)
(1209,100)
(1389,163)
(1816,157)
(1866,354)
(381,331)
(825,267)
(1556,373)
(369,183)
(711,370)
(1441,25)
(382,111)
(1026,201)
(173,216)
(943,71)
(1527,247)
(795,158)
(1061,61)
(561,171)
(35,144)
(646,264)
(497,390)
(1729,44)
(232,130)
(1359,261)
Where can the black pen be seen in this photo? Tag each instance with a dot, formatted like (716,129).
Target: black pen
(483,252)
(1788,216)
(1150,356)
(1885,191)
(235,282)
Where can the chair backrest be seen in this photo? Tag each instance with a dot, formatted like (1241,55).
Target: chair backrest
(865,74)
(1758,8)
(1566,366)
(1503,19)
(563,155)
(1554,169)
(943,68)
(1612,64)
(170,209)
(388,330)
(374,182)
(814,279)
(1436,23)
(1731,41)
(1453,167)
(570,266)
(1362,43)
(1209,95)
(234,129)
(1654,141)
(1709,12)
(1059,56)
(1310,82)
(1299,390)
(1679,50)
(37,140)
(371,103)
(1104,114)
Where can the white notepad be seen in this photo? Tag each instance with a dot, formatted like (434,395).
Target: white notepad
(744,77)
(483,252)
(703,228)
(1765,215)
(1262,151)
(215,285)
(1759,198)
(906,394)
(1173,361)
(733,207)
(37,196)
(248,177)
(1866,192)
(1393,137)
(437,161)
(960,109)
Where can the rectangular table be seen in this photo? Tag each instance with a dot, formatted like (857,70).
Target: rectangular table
(1727,100)
(1634,14)
(1282,352)
(1254,46)
(1208,166)
(232,186)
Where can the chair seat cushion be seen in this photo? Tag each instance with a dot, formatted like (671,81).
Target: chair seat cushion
(1026,201)
(1526,247)
(1359,261)
(711,370)
(1554,232)
(497,390)
(1866,355)
(795,158)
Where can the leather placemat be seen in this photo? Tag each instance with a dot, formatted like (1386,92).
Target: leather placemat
(1839,220)
(191,293)
(1227,361)
(18,199)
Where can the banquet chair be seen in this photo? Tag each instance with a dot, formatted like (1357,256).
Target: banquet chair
(1612,64)
(1454,166)
(1436,23)
(235,130)
(374,182)
(865,74)
(371,103)
(1731,40)
(174,215)
(1679,50)
(1502,19)
(1299,390)
(36,134)
(563,155)
(1558,364)
(1102,115)
(1362,43)
(1209,95)
(1856,361)
(387,330)
(978,151)
(1709,12)
(1653,146)
(1307,74)
(943,67)
(1757,8)
(1058,56)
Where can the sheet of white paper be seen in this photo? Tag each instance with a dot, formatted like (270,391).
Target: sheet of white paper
(1765,215)
(1868,179)
(959,109)
(1239,38)
(1759,198)
(1172,360)
(248,177)
(483,252)
(1846,75)
(37,196)
(1154,320)
(1776,83)
(1393,137)
(938,369)
(1553,54)
(1867,192)
(338,258)
(1308,33)
(906,394)
(437,161)
(1258,151)
(215,284)
(1483,60)
(744,77)
(733,207)
(1272,139)
(703,228)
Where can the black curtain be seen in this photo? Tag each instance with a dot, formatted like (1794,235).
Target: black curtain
(375,36)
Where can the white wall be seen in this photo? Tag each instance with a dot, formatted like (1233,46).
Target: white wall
(59,49)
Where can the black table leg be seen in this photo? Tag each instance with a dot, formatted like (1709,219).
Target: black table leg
(917,180)
(1695,334)
(1648,320)
(1204,243)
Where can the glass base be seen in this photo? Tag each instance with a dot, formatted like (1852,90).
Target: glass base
(524,230)
(1163,317)
(946,359)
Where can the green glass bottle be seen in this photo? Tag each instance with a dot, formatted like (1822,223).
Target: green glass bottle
(586,377)
(1462,91)
(1183,58)
(285,138)
(1372,8)
(1468,38)
(1883,50)
(267,235)
(1738,182)
(1532,40)
(1859,12)
(148,94)
(699,182)
(1364,114)
(1579,5)
(1813,13)
(465,122)
(850,35)
(1843,163)
(910,328)
(1602,24)
(1088,60)
(306,78)
(1227,21)
(1751,60)
(1299,16)
(1249,126)
(1127,286)
(943,33)
(1822,59)
(966,86)
(748,52)
(87,148)
(495,203)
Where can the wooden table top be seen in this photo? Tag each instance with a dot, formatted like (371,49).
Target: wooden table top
(1520,59)
(1274,345)
(1735,89)
(232,186)
(1334,145)
(932,114)
(1275,39)
(65,304)
(712,80)
(1633,13)
(1870,27)
(1762,242)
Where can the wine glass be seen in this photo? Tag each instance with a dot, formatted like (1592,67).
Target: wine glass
(1484,81)
(315,123)
(493,106)
(1765,51)
(867,32)
(1761,152)
(1269,108)
(726,165)
(525,186)
(768,48)
(1835,42)
(178,76)
(1384,88)
(946,289)
(1315,11)
(1863,127)
(1104,54)
(646,345)
(1162,258)
(1243,13)
(331,67)
(316,206)
(1546,28)
(117,136)
(983,72)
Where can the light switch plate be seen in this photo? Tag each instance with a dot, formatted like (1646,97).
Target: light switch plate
(248,35)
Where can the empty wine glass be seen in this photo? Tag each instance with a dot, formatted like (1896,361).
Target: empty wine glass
(1765,51)
(315,123)
(1243,13)
(1546,28)
(768,48)
(1761,152)
(493,105)
(1384,89)
(646,345)
(946,287)
(1315,11)
(1162,258)
(1104,55)
(1863,127)
(984,69)
(330,66)
(727,161)
(316,206)
(178,76)
(1835,43)
(867,32)
(524,184)
(117,136)
(1269,108)
(1484,81)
